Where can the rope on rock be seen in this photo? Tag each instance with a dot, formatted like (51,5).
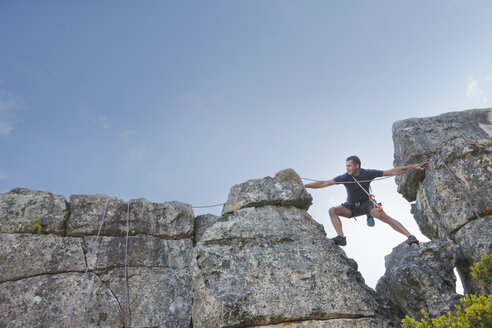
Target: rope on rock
(88,264)
(94,246)
(126,260)
(438,152)
(207,206)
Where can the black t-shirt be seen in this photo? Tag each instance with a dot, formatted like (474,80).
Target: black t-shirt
(354,192)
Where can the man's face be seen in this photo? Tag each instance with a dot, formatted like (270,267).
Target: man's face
(351,167)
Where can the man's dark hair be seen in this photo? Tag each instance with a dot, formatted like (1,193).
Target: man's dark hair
(354,159)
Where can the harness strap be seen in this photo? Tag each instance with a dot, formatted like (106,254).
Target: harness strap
(372,198)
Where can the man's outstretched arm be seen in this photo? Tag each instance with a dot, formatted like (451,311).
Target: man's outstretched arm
(320,184)
(401,169)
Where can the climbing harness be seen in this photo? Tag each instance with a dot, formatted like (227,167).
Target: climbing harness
(372,198)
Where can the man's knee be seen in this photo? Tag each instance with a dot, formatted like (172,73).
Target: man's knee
(339,211)
(332,211)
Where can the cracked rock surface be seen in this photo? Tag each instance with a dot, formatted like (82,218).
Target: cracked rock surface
(268,263)
(264,263)
(441,209)
(421,277)
(40,273)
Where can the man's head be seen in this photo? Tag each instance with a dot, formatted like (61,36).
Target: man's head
(353,165)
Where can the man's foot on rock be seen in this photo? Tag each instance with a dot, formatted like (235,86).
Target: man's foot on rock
(340,240)
(412,240)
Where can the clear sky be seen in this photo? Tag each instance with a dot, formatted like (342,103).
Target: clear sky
(180,100)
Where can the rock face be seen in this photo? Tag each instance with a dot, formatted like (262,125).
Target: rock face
(285,189)
(263,262)
(440,209)
(21,207)
(421,277)
(40,273)
(202,223)
(169,220)
(417,139)
(266,263)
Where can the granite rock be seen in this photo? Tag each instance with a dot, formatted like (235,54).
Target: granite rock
(421,277)
(169,220)
(417,139)
(25,255)
(20,208)
(46,300)
(272,265)
(285,189)
(441,209)
(202,223)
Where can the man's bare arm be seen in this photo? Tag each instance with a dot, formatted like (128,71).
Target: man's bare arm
(402,169)
(320,184)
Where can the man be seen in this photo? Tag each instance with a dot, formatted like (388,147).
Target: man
(358,202)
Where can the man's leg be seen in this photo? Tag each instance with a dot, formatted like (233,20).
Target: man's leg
(389,220)
(335,212)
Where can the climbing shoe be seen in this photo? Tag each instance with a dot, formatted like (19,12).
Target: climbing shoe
(412,240)
(370,221)
(340,240)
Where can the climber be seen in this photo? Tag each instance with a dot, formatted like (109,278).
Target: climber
(358,201)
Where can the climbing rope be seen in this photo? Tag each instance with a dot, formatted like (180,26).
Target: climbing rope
(438,152)
(208,206)
(126,260)
(125,310)
(88,264)
(372,198)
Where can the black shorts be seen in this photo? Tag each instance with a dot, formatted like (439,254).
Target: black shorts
(359,209)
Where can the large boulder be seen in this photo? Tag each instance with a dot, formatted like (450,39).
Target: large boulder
(20,208)
(417,139)
(272,265)
(269,263)
(475,240)
(159,283)
(40,274)
(46,300)
(285,189)
(440,208)
(168,220)
(421,277)
(26,255)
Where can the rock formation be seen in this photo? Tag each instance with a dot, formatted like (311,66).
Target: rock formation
(421,278)
(40,274)
(440,209)
(264,262)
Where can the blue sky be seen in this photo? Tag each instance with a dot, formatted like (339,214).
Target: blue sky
(180,100)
